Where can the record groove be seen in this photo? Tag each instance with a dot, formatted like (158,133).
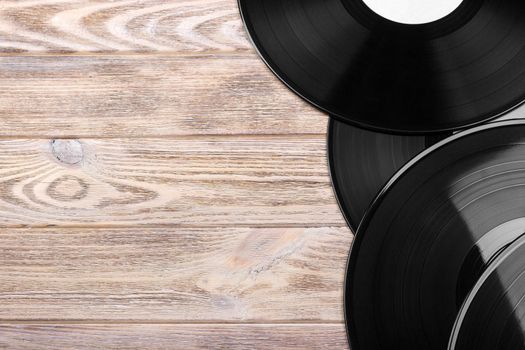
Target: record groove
(430,234)
(493,314)
(339,55)
(362,161)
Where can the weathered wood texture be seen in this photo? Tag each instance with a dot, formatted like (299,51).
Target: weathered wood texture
(134,96)
(126,26)
(222,274)
(184,337)
(191,207)
(248,181)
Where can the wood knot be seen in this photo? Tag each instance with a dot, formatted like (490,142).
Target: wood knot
(67,151)
(68,188)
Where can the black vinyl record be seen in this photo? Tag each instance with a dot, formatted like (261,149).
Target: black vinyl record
(362,161)
(339,55)
(492,316)
(429,235)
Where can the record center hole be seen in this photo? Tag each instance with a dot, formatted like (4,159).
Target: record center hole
(413,11)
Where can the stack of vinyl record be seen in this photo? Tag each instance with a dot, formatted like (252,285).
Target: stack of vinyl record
(428,176)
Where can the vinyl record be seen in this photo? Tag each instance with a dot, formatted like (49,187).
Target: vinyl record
(339,55)
(492,316)
(429,235)
(362,161)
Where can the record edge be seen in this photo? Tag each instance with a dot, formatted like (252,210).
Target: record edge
(331,170)
(354,345)
(252,37)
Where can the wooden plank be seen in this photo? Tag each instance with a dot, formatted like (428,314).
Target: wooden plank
(187,337)
(224,181)
(182,26)
(133,96)
(173,275)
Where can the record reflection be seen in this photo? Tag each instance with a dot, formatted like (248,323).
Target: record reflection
(431,234)
(492,316)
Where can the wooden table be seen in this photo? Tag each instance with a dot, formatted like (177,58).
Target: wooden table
(159,187)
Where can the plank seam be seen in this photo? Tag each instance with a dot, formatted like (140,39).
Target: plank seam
(164,322)
(207,137)
(174,53)
(157,226)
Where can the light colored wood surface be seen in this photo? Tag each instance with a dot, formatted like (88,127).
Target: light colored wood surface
(147,95)
(139,337)
(159,187)
(184,26)
(173,275)
(222,181)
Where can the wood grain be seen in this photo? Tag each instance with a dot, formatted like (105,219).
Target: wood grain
(159,187)
(138,96)
(187,337)
(174,275)
(225,181)
(182,26)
